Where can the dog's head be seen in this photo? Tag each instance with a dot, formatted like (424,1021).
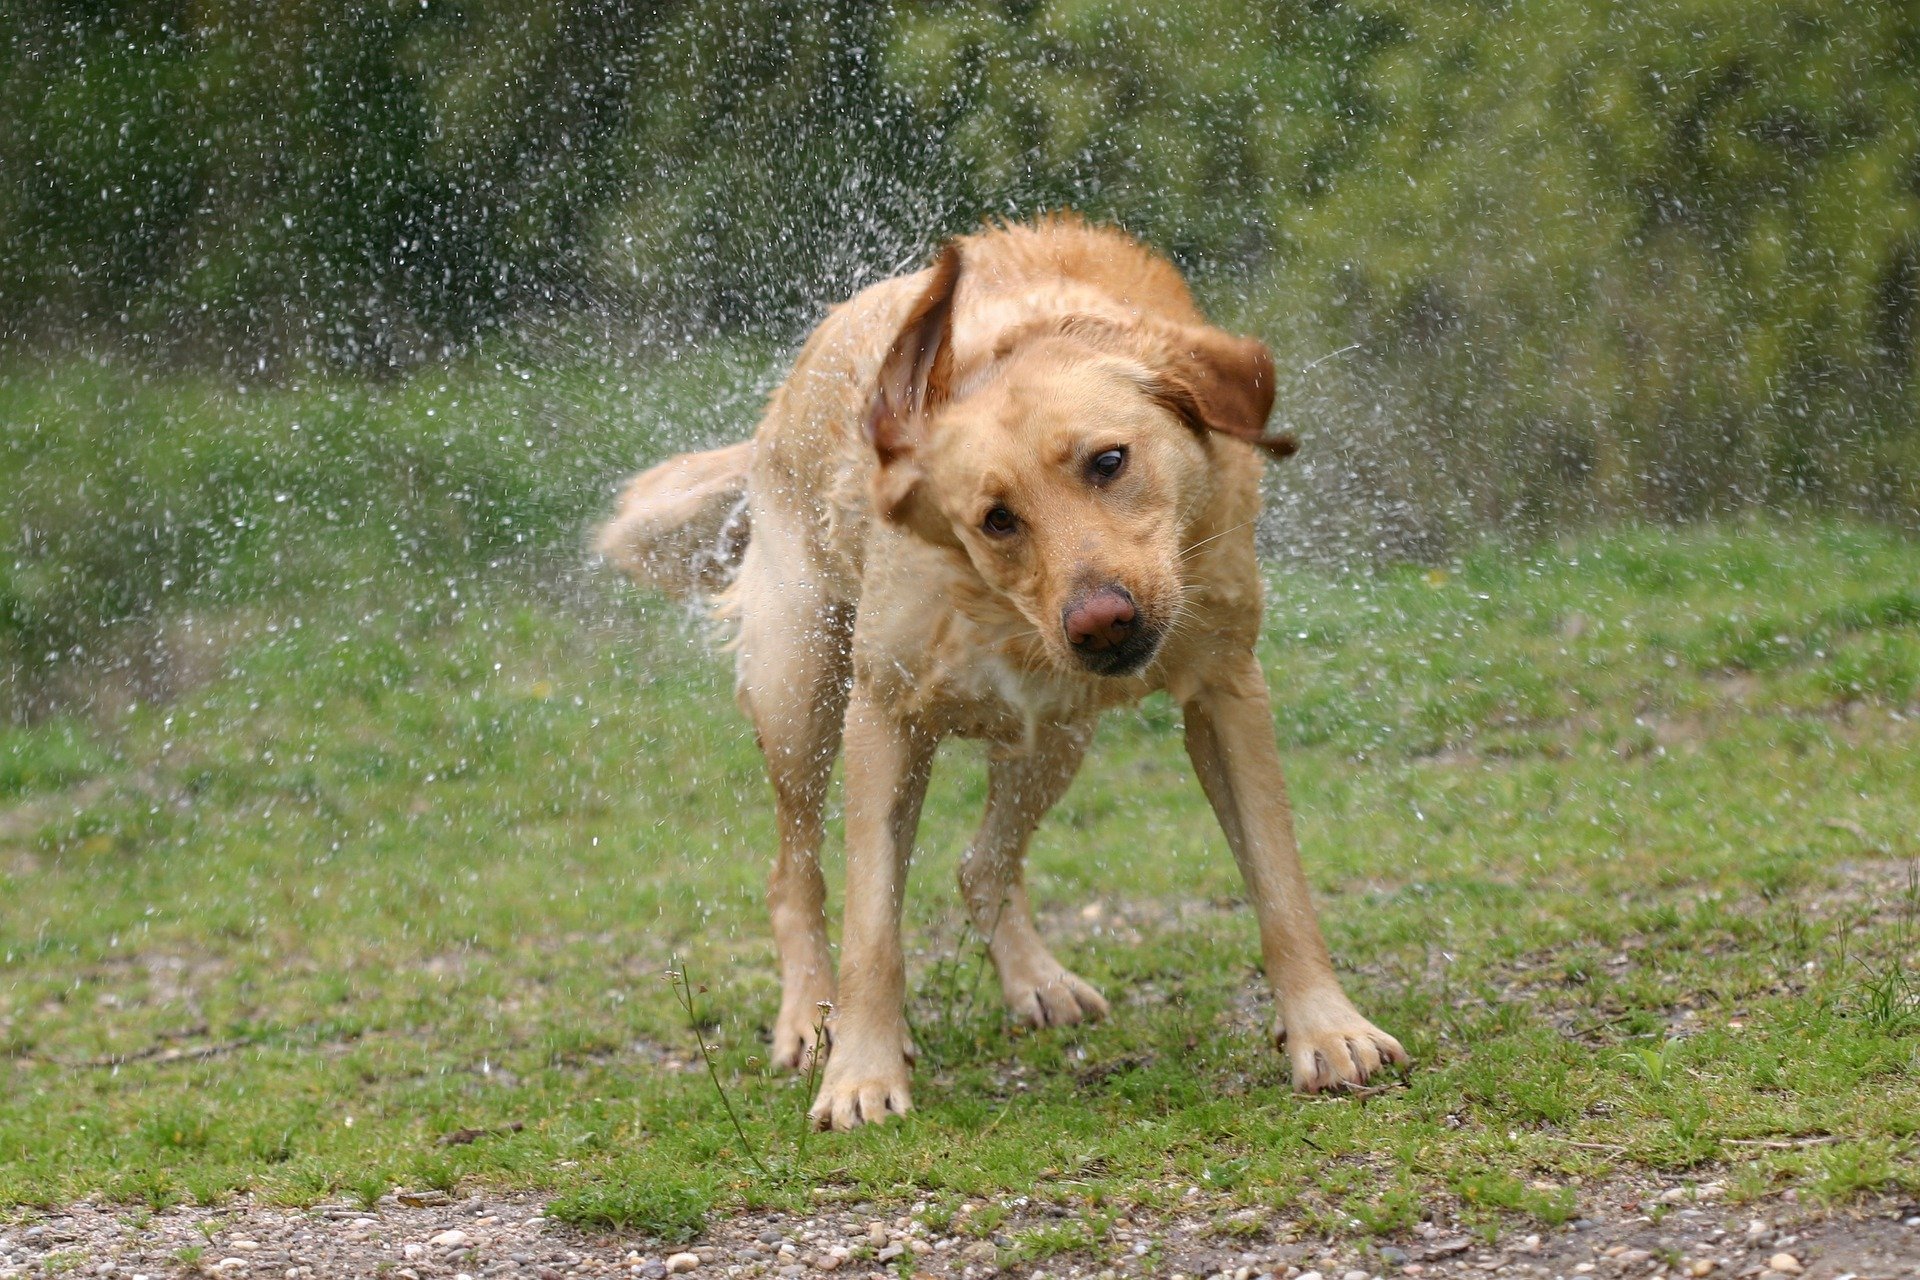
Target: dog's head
(1070,467)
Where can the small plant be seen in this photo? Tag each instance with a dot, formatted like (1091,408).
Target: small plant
(368,1187)
(1655,1065)
(189,1256)
(683,992)
(814,1062)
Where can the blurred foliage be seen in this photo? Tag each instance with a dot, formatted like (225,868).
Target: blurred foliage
(1658,256)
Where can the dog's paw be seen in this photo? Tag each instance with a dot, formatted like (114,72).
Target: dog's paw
(797,1029)
(1336,1048)
(794,1044)
(855,1095)
(1054,998)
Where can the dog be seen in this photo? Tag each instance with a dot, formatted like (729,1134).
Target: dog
(994,498)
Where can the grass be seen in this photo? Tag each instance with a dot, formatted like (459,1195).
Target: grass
(1617,834)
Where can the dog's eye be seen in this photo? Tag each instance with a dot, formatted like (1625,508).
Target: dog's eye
(1107,464)
(1000,522)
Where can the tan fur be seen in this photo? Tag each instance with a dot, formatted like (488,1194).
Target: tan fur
(874,606)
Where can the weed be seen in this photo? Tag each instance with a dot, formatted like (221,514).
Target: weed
(683,992)
(1653,1063)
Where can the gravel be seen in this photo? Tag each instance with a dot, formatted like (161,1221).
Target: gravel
(1628,1230)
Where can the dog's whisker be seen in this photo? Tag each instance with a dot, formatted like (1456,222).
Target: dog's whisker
(1223,533)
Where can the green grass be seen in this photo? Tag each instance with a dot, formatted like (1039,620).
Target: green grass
(1617,835)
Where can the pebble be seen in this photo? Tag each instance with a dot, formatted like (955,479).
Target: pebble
(1701,1267)
(1309,1275)
(449,1239)
(1785,1263)
(682,1262)
(1393,1257)
(891,1252)
(1354,1275)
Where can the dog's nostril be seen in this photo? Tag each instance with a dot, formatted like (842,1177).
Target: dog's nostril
(1100,621)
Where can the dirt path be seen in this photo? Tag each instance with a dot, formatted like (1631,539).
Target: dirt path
(1631,1229)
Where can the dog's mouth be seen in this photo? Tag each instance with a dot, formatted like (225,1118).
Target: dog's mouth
(1129,657)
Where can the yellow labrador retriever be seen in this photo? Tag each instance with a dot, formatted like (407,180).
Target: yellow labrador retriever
(994,498)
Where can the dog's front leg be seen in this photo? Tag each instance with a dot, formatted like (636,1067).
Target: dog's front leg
(887,766)
(1229,732)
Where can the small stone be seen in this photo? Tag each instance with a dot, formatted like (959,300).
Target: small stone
(1393,1257)
(1785,1263)
(1756,1229)
(891,1252)
(413,1252)
(981,1251)
(449,1239)
(1354,1275)
(1673,1195)
(1701,1267)
(1632,1257)
(1309,1275)
(827,1262)
(680,1262)
(1583,1268)
(243,1246)
(919,1246)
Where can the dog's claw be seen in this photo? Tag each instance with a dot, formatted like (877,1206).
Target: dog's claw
(848,1106)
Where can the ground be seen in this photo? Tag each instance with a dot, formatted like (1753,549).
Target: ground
(350,879)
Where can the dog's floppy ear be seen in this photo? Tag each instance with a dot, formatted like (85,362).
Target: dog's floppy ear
(915,377)
(1219,382)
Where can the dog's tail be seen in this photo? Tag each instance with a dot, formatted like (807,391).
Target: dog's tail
(681,526)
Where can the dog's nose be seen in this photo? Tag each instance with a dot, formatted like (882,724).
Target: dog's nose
(1100,621)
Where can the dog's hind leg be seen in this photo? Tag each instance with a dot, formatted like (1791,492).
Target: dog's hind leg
(793,665)
(1020,790)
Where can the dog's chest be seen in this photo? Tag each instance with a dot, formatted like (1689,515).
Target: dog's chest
(974,691)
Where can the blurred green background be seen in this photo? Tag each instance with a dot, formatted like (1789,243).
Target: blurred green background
(1658,257)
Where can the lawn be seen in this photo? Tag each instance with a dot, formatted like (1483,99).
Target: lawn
(344,808)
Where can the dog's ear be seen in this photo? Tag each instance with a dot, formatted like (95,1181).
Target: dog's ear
(1217,381)
(916,377)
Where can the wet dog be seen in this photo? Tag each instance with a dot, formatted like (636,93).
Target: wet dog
(993,499)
